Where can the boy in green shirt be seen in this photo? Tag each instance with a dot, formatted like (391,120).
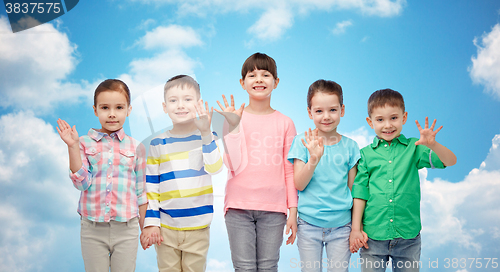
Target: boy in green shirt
(386,190)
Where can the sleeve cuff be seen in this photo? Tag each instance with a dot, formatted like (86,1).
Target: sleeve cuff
(360,192)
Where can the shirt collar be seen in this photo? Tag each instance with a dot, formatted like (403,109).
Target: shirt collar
(401,139)
(97,135)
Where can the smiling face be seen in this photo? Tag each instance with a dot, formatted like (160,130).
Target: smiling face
(387,121)
(112,109)
(180,104)
(259,84)
(325,112)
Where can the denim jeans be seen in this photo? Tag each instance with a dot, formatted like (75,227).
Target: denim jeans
(404,254)
(311,239)
(255,238)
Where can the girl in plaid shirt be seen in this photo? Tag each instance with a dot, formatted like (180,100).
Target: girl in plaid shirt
(108,167)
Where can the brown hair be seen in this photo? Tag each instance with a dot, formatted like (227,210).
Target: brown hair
(324,86)
(112,85)
(259,61)
(384,97)
(182,81)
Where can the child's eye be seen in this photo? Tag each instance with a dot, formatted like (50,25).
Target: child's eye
(318,111)
(104,107)
(394,118)
(379,120)
(120,107)
(189,99)
(172,100)
(333,110)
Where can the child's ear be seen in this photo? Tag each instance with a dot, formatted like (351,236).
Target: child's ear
(276,81)
(309,112)
(342,110)
(95,110)
(369,121)
(164,107)
(242,83)
(129,110)
(405,117)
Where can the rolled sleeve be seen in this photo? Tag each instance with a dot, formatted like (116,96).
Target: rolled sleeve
(360,187)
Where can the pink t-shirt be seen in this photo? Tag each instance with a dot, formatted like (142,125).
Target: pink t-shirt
(260,177)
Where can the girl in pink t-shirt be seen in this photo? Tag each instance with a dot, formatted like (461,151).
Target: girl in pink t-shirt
(260,188)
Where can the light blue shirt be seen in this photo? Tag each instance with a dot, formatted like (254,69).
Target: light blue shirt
(326,201)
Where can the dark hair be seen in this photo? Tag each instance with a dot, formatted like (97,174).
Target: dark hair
(182,81)
(259,61)
(112,85)
(324,86)
(384,97)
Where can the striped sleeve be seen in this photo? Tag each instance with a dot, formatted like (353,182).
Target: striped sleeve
(212,158)
(153,186)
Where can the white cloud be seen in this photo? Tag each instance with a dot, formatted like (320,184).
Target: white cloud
(33,66)
(278,15)
(361,135)
(172,36)
(37,200)
(463,215)
(272,24)
(485,68)
(341,27)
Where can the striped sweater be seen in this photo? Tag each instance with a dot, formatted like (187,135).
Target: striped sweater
(178,181)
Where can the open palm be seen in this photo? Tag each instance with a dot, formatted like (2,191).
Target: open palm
(427,135)
(67,133)
(232,115)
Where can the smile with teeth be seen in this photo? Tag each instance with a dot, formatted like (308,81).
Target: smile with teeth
(389,132)
(181,113)
(259,88)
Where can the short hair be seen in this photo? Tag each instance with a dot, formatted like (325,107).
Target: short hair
(324,86)
(384,97)
(181,81)
(112,85)
(259,61)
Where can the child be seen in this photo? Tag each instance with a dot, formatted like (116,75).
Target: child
(260,186)
(108,167)
(386,190)
(324,170)
(179,185)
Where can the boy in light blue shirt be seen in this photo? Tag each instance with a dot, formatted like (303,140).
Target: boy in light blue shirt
(324,171)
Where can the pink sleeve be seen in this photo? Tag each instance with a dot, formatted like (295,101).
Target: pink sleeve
(291,192)
(235,150)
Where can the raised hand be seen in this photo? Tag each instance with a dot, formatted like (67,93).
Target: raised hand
(314,145)
(67,133)
(204,117)
(427,135)
(232,115)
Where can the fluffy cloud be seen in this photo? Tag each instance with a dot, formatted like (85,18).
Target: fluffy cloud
(463,216)
(485,67)
(33,66)
(278,15)
(147,73)
(341,27)
(37,201)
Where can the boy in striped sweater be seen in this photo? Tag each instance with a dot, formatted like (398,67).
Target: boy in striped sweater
(178,180)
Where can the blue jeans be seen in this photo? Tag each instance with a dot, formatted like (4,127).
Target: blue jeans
(405,255)
(311,239)
(255,238)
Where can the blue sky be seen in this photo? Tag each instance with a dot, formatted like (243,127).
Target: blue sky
(443,56)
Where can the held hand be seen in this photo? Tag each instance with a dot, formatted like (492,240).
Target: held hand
(68,134)
(357,239)
(204,117)
(291,225)
(232,115)
(427,135)
(150,235)
(314,145)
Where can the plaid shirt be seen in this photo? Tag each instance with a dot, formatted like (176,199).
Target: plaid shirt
(112,178)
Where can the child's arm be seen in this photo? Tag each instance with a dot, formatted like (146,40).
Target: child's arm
(428,138)
(70,136)
(351,175)
(358,237)
(303,172)
(212,158)
(140,183)
(232,115)
(291,224)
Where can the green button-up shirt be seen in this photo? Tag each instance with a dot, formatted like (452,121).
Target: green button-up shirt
(388,180)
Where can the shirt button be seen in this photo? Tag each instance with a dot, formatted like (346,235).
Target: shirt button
(385,145)
(107,204)
(390,161)
(391,220)
(390,180)
(390,200)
